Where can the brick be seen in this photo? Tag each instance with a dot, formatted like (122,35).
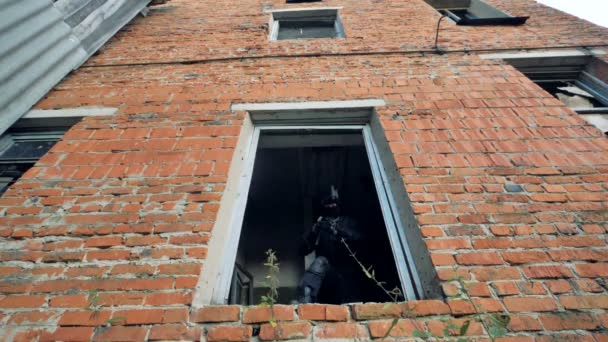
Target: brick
(70,301)
(260,314)
(22,302)
(151,316)
(133,269)
(168,299)
(461,307)
(403,328)
(524,323)
(376,310)
(229,333)
(547,272)
(217,314)
(505,288)
(106,241)
(285,331)
(32,317)
(531,288)
(68,334)
(108,255)
(597,270)
(119,299)
(496,273)
(176,332)
(425,308)
(479,258)
(85,318)
(559,286)
(340,330)
(530,304)
(516,258)
(438,327)
(589,285)
(569,321)
(312,312)
(181,268)
(448,244)
(336,313)
(584,302)
(118,333)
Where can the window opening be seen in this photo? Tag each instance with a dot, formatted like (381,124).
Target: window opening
(327,179)
(300,1)
(302,24)
(20,149)
(474,12)
(578,83)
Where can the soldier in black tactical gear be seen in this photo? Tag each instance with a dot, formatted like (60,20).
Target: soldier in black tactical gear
(330,277)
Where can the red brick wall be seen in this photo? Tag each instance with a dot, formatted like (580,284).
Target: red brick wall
(114,222)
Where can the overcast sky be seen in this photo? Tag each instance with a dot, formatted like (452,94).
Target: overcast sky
(595,11)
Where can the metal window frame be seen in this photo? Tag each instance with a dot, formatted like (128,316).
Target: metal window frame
(485,14)
(8,139)
(410,280)
(276,16)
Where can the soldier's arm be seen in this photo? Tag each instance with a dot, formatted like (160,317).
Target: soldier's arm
(310,237)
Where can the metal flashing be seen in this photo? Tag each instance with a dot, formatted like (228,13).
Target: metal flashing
(41,41)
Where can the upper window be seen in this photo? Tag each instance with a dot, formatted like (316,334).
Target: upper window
(306,23)
(32,136)
(298,1)
(474,12)
(20,149)
(578,80)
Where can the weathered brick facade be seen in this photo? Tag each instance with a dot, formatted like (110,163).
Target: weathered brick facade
(124,206)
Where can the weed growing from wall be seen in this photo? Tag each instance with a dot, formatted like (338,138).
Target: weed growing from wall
(272,282)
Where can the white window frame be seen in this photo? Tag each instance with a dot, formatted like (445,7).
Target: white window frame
(401,253)
(277,15)
(214,283)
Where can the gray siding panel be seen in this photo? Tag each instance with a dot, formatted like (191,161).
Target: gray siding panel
(40,43)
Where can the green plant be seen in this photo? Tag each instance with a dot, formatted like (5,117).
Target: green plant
(272,281)
(394,294)
(495,324)
(93,297)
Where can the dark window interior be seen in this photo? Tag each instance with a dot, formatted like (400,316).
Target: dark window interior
(28,149)
(298,29)
(19,151)
(459,13)
(10,173)
(292,175)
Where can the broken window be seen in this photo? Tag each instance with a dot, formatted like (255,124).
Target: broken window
(474,12)
(19,151)
(315,197)
(25,143)
(580,82)
(310,23)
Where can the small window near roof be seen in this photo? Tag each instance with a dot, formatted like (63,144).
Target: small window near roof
(474,12)
(306,23)
(299,1)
